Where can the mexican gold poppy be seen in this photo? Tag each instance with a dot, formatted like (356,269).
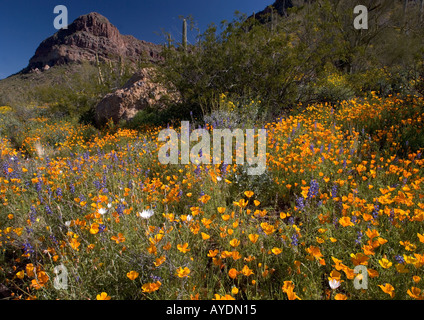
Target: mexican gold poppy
(359,259)
(276,251)
(415,293)
(118,239)
(253,237)
(213,253)
(205,236)
(183,272)
(183,247)
(232,273)
(225,297)
(346,222)
(235,242)
(246,271)
(94,228)
(103,296)
(221,210)
(249,194)
(388,288)
(340,296)
(267,228)
(159,261)
(385,263)
(132,275)
(151,287)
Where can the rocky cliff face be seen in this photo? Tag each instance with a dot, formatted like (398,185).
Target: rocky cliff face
(88,36)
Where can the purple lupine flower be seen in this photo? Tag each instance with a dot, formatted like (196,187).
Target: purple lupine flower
(335,221)
(53,238)
(224,169)
(300,203)
(28,248)
(38,186)
(399,259)
(97,184)
(156,278)
(197,170)
(120,209)
(49,191)
(313,189)
(334,191)
(376,210)
(392,215)
(48,209)
(32,214)
(358,240)
(294,239)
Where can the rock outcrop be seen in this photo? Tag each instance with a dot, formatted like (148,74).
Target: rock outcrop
(140,92)
(88,37)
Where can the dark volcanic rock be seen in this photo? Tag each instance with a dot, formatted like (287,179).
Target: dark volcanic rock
(88,36)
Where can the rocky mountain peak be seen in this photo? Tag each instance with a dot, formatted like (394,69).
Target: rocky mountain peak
(88,37)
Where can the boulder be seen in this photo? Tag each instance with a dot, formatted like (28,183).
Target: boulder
(140,92)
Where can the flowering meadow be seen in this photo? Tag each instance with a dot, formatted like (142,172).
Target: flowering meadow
(342,189)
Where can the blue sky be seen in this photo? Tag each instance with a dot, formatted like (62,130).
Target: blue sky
(25,23)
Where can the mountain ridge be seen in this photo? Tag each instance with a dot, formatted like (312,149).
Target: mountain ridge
(88,38)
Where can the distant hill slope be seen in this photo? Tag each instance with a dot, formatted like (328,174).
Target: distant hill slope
(280,6)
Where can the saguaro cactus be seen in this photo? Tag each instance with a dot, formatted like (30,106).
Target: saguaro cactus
(184,34)
(100,77)
(169,41)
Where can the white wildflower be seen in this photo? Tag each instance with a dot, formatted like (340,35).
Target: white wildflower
(146,214)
